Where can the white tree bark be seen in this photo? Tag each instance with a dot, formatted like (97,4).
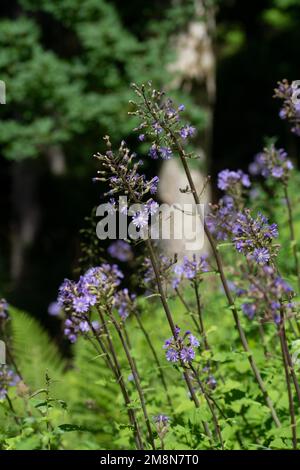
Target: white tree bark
(193,70)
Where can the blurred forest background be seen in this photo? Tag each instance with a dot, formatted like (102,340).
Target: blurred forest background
(68,65)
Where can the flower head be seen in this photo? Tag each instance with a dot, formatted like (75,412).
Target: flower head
(160,118)
(172,355)
(253,237)
(165,153)
(98,286)
(181,347)
(267,294)
(161,419)
(191,269)
(54,309)
(140,219)
(7,379)
(290,110)
(227,178)
(187,354)
(120,250)
(187,131)
(124,303)
(272,163)
(261,255)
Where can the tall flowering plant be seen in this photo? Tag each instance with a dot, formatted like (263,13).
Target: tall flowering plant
(99,307)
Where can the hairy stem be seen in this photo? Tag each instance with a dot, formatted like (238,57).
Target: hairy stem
(172,326)
(177,145)
(12,409)
(159,368)
(288,356)
(116,369)
(186,306)
(263,340)
(288,385)
(199,308)
(221,272)
(210,405)
(292,232)
(164,302)
(136,378)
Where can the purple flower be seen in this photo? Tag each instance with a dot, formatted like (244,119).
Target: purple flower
(149,275)
(189,268)
(193,341)
(84,326)
(253,237)
(172,355)
(66,292)
(81,304)
(120,250)
(187,131)
(227,178)
(153,184)
(272,162)
(152,207)
(181,347)
(249,310)
(141,137)
(261,255)
(271,231)
(282,285)
(177,331)
(211,382)
(54,309)
(72,337)
(165,152)
(167,343)
(277,172)
(140,219)
(95,325)
(161,420)
(157,128)
(7,379)
(124,303)
(266,294)
(187,354)
(153,153)
(76,299)
(290,110)
(245,180)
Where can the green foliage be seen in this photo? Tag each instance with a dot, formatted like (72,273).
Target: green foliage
(95,403)
(282,14)
(56,94)
(34,352)
(85,409)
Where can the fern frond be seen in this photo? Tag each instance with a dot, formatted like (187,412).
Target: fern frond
(34,352)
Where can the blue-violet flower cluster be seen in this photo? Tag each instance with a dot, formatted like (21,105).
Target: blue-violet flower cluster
(7,379)
(267,294)
(181,348)
(190,269)
(161,119)
(97,287)
(290,110)
(272,163)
